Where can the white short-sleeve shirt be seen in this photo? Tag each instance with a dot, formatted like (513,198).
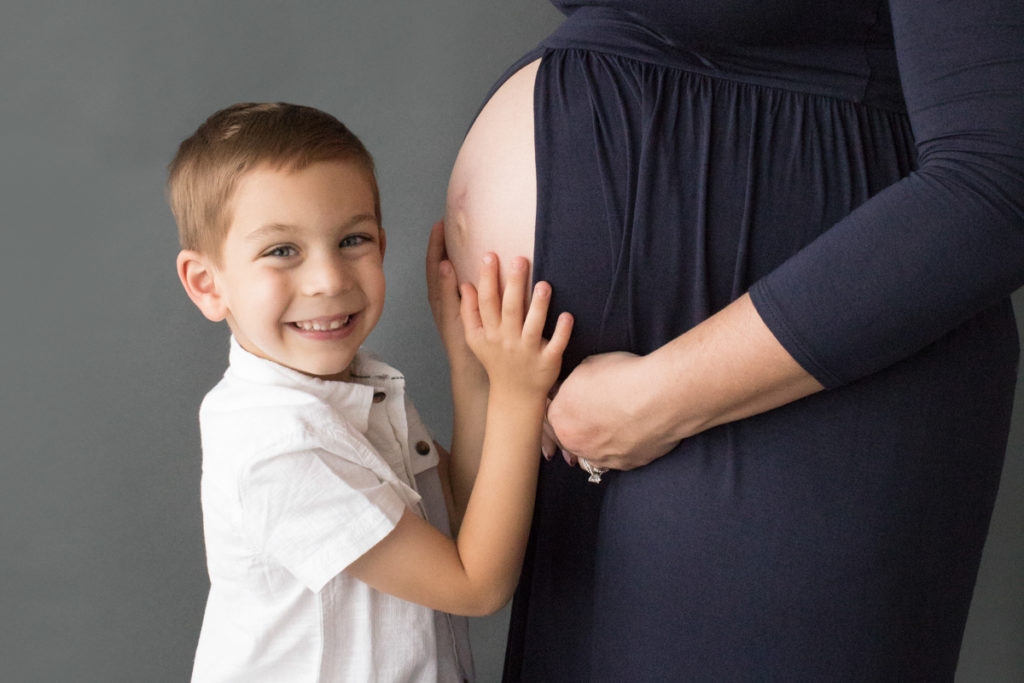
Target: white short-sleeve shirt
(301,477)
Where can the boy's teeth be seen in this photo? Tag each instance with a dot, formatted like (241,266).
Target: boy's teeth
(311,326)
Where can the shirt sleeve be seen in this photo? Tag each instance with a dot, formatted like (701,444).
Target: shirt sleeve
(316,513)
(944,243)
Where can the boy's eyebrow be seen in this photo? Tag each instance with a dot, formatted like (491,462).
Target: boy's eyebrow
(267,230)
(270,229)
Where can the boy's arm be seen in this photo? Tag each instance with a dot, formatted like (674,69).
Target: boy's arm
(468,378)
(444,459)
(470,414)
(477,573)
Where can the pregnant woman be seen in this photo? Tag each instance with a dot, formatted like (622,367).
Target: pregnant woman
(788,232)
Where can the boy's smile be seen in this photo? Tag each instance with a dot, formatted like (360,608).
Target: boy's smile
(300,276)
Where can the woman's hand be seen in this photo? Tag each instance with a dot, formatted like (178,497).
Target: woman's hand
(622,411)
(599,413)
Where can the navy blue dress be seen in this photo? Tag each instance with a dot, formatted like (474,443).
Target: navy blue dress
(858,167)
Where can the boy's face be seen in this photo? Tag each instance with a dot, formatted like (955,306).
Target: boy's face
(300,276)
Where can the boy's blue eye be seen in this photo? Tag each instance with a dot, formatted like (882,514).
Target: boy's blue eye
(353,240)
(281,251)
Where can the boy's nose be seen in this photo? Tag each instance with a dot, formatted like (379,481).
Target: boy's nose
(324,276)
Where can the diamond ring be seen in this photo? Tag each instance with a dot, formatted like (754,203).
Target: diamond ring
(594,471)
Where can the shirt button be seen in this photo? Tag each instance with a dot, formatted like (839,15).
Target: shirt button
(379,396)
(422,447)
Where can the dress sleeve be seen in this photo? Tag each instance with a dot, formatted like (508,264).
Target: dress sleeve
(947,241)
(315,513)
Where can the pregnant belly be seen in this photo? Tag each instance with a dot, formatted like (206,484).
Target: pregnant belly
(492,192)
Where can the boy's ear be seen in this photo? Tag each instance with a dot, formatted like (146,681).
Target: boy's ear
(383,241)
(197,277)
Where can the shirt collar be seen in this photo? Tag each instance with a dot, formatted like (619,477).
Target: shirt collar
(353,399)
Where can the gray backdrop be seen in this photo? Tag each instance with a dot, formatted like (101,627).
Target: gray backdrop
(104,361)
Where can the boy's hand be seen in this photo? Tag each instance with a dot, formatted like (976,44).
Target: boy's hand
(508,341)
(443,294)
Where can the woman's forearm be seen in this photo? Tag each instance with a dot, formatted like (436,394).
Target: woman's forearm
(727,368)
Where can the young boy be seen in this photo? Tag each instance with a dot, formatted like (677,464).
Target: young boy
(318,478)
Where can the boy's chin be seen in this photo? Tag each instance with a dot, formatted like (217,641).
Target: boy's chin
(329,372)
(340,376)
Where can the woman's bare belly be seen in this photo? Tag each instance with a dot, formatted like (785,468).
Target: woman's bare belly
(492,192)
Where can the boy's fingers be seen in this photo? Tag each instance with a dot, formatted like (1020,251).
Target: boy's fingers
(435,248)
(514,298)
(489,302)
(435,255)
(469,308)
(536,315)
(435,245)
(449,286)
(560,337)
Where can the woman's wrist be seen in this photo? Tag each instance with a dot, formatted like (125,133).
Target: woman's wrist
(727,368)
(667,408)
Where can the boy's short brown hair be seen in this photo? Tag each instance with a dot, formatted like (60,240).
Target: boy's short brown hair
(237,139)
